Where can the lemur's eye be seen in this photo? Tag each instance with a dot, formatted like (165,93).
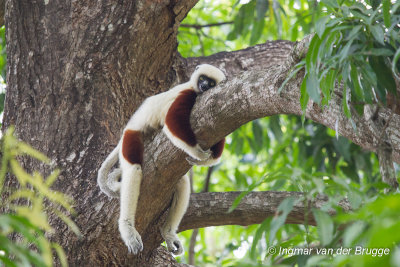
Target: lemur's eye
(201,78)
(212,84)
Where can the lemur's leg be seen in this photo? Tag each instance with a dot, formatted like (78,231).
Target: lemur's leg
(177,125)
(102,177)
(177,210)
(215,157)
(131,161)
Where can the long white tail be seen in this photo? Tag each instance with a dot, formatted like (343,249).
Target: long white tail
(105,180)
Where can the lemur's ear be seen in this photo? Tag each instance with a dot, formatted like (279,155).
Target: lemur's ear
(197,67)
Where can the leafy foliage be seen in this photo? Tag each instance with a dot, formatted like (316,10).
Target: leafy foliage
(358,46)
(231,25)
(29,217)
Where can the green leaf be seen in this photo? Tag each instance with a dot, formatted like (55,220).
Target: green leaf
(258,24)
(345,102)
(320,26)
(258,133)
(284,209)
(7,261)
(383,73)
(256,32)
(275,127)
(395,60)
(324,226)
(28,150)
(68,222)
(292,74)
(61,254)
(52,177)
(352,232)
(239,145)
(356,85)
(327,84)
(386,12)
(345,51)
(353,32)
(258,235)
(22,176)
(330,3)
(261,8)
(379,52)
(378,33)
(303,94)
(313,88)
(313,49)
(375,3)
(242,20)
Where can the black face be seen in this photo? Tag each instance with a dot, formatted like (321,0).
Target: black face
(204,83)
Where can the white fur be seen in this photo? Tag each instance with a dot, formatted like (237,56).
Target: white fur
(105,169)
(151,114)
(194,151)
(208,162)
(178,208)
(130,186)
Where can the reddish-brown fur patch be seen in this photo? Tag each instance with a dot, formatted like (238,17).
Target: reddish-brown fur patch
(132,147)
(178,117)
(217,149)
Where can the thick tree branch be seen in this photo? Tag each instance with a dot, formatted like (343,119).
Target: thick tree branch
(254,84)
(245,96)
(211,209)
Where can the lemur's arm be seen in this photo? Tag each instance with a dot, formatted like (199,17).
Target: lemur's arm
(177,125)
(178,129)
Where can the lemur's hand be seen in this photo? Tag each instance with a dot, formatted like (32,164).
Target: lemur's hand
(130,236)
(201,154)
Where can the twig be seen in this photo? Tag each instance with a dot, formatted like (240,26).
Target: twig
(196,26)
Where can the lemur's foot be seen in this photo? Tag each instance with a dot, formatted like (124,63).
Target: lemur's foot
(114,182)
(106,190)
(173,243)
(130,236)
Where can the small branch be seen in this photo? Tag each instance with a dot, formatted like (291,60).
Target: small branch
(206,187)
(197,27)
(210,209)
(192,243)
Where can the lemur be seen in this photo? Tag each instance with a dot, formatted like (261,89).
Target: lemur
(170,110)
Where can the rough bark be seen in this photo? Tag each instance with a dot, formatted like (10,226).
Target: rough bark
(77,71)
(211,209)
(2,7)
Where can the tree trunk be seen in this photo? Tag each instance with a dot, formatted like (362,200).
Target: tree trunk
(76,72)
(78,69)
